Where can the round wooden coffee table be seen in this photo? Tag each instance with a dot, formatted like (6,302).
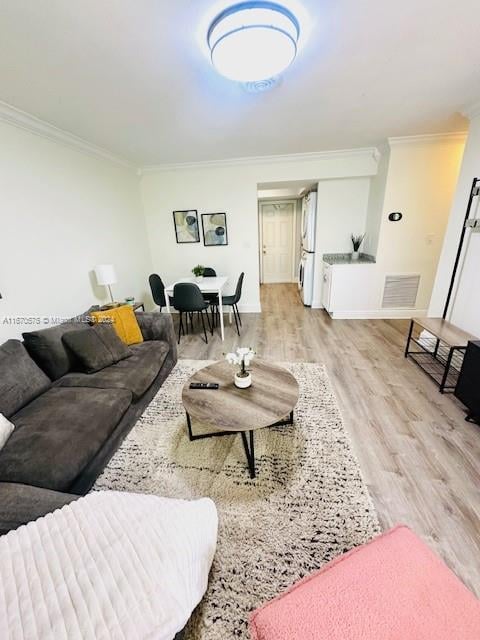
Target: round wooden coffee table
(268,402)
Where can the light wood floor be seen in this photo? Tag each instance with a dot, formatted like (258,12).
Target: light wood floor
(420,459)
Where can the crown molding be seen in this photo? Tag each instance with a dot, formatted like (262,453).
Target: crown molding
(27,122)
(472,111)
(256,160)
(429,138)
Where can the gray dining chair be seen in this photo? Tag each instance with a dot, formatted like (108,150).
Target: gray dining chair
(188,299)
(158,290)
(232,301)
(211,298)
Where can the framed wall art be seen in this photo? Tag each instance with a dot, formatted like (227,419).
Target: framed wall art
(186,226)
(214,229)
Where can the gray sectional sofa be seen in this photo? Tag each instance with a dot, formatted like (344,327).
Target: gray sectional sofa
(68,424)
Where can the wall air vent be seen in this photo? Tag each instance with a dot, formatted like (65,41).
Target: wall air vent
(400,292)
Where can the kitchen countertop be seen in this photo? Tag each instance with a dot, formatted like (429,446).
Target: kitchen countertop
(346,258)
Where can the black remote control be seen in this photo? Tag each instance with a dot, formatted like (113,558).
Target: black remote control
(204,385)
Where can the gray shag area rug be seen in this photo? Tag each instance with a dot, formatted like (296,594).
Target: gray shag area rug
(307,505)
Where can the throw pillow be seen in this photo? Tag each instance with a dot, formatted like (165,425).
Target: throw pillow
(49,352)
(21,380)
(6,428)
(124,322)
(97,348)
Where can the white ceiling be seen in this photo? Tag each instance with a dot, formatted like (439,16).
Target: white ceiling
(130,76)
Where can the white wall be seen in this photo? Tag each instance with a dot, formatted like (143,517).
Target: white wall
(63,212)
(230,187)
(465,306)
(375,203)
(420,182)
(208,192)
(341,211)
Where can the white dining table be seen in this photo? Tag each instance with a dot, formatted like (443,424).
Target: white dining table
(206,285)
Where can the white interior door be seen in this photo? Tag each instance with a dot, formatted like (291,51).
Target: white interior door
(278,230)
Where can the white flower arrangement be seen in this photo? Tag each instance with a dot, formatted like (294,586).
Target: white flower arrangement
(242,357)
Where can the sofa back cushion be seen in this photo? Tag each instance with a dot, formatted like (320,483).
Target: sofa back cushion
(48,350)
(97,348)
(21,380)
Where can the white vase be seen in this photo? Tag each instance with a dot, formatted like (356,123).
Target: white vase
(243,382)
(355,255)
(198,278)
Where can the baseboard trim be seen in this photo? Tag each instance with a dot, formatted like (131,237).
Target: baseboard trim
(245,308)
(378,314)
(249,308)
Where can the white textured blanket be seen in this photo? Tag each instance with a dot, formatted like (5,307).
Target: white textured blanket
(108,566)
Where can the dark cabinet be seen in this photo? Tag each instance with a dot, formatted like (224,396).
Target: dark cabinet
(468,385)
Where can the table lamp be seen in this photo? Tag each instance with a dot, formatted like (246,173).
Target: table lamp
(105,274)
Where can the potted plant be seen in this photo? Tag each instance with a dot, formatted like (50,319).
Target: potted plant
(356,242)
(242,357)
(198,272)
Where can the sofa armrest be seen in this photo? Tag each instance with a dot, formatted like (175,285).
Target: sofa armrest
(158,326)
(21,503)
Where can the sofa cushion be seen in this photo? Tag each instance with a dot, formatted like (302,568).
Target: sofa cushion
(97,348)
(48,350)
(156,326)
(20,503)
(135,373)
(58,433)
(21,379)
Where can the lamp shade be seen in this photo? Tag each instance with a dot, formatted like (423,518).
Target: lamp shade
(105,274)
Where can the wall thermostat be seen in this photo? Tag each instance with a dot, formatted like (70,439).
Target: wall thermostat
(395,216)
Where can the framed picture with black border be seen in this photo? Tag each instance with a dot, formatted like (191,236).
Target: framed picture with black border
(186,226)
(214,229)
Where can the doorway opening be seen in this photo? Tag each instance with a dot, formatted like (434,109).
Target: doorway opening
(282,217)
(278,241)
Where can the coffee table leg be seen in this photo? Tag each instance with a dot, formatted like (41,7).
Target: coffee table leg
(249,452)
(189,425)
(202,436)
(281,423)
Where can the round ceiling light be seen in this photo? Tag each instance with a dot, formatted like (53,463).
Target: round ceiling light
(253,41)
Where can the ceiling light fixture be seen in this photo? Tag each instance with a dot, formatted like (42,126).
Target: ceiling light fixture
(253,41)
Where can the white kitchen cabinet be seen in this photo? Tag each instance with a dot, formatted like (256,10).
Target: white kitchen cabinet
(350,290)
(326,285)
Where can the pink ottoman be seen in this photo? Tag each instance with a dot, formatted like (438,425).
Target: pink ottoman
(393,588)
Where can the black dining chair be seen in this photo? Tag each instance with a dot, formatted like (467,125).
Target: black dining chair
(158,290)
(232,301)
(211,298)
(188,299)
